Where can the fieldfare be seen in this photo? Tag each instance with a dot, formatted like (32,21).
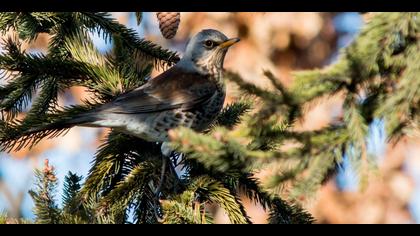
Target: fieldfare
(189,94)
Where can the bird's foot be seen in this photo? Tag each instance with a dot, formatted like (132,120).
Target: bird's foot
(166,153)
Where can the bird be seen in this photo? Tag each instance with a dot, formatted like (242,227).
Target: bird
(190,94)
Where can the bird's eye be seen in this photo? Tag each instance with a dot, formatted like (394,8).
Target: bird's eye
(209,43)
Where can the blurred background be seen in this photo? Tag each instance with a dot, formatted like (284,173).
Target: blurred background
(281,43)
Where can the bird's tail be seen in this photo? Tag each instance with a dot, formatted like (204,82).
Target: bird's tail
(16,137)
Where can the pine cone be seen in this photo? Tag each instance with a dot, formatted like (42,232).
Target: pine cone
(168,23)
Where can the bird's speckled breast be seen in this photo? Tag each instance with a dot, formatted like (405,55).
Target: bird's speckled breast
(208,113)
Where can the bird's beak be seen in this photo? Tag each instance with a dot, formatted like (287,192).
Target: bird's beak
(229,42)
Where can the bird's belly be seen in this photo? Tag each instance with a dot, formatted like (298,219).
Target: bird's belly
(139,125)
(152,127)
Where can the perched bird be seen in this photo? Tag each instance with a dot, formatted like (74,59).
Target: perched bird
(190,94)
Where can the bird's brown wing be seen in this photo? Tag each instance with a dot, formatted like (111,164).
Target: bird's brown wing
(170,90)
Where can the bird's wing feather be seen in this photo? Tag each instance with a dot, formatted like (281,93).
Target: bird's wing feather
(170,90)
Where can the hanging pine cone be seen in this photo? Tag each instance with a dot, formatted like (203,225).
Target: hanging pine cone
(168,23)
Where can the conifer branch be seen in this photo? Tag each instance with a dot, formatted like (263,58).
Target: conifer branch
(108,27)
(46,210)
(214,191)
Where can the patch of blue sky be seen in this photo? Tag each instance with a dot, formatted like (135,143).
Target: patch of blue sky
(132,23)
(347,25)
(348,22)
(414,205)
(376,140)
(103,46)
(347,179)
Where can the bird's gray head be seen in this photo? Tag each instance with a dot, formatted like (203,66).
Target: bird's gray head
(207,50)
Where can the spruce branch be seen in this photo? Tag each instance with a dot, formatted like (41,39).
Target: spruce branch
(253,89)
(108,27)
(133,69)
(106,80)
(182,210)
(72,204)
(231,115)
(18,134)
(400,106)
(46,210)
(217,152)
(310,85)
(27,73)
(29,24)
(318,169)
(115,158)
(145,207)
(281,212)
(125,192)
(214,191)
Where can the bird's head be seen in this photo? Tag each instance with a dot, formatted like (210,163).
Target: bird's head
(208,48)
